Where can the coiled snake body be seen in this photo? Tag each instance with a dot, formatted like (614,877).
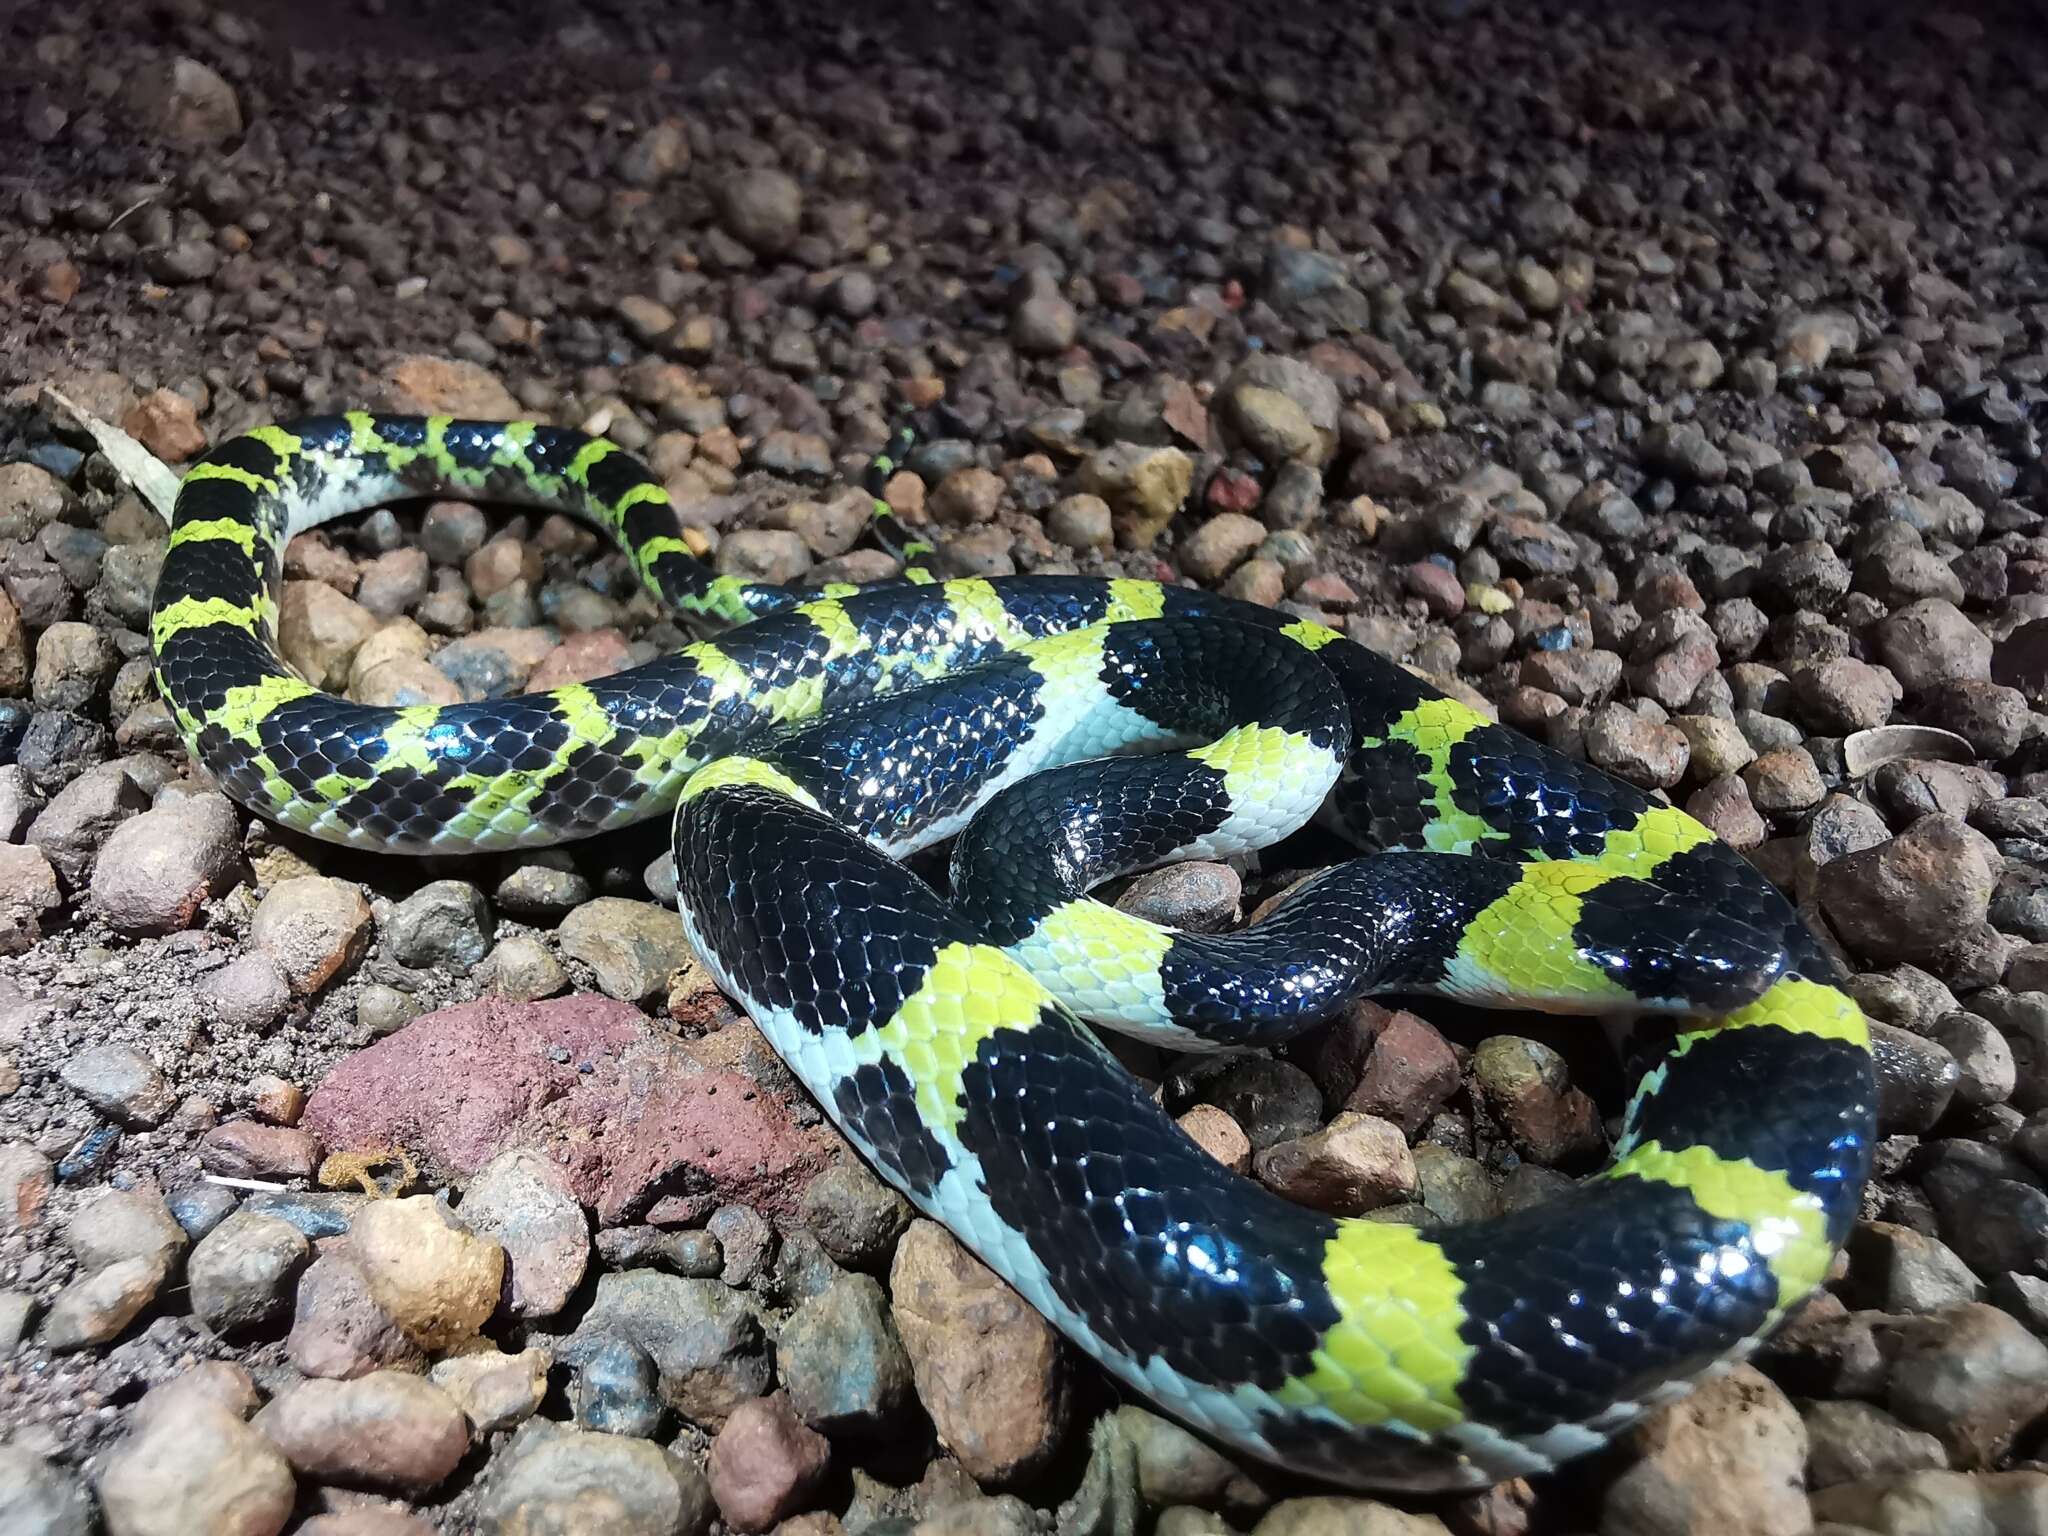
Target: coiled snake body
(1068,730)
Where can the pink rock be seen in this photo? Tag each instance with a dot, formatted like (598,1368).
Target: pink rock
(453,1086)
(657,1143)
(1231,490)
(647,1133)
(765,1464)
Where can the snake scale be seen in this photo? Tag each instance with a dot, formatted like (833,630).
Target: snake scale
(1064,730)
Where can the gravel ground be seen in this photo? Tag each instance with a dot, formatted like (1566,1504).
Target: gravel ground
(1671,382)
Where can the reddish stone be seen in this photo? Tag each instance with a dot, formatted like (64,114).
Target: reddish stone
(454,1085)
(1410,1075)
(579,658)
(676,1148)
(637,1127)
(1231,490)
(765,1464)
(248,1149)
(1438,587)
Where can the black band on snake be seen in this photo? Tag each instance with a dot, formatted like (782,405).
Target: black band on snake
(1068,730)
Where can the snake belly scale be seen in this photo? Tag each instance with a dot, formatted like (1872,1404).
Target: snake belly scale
(1063,730)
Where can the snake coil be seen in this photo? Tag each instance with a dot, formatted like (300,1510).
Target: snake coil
(1066,730)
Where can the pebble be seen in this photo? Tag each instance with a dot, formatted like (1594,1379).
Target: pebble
(1271,1101)
(248,1149)
(29,892)
(1915,1080)
(382,1010)
(773,555)
(989,1369)
(1329,1515)
(437,1281)
(765,1464)
(1177,1467)
(25,1184)
(17,1309)
(97,1307)
(1043,324)
(112,1224)
(73,664)
(1526,1085)
(630,946)
(314,927)
(1356,1164)
(1081,522)
(1987,1073)
(121,1083)
(56,749)
(1852,1442)
(443,923)
(1972,1376)
(240,1272)
(81,816)
(707,1344)
(338,1330)
(493,1389)
(387,1430)
(1216,548)
(615,1391)
(1729,1457)
(1937,1503)
(842,1362)
(366,1520)
(522,968)
(1218,1135)
(199,1208)
(276,1099)
(1144,486)
(248,993)
(1932,642)
(522,1201)
(1723,804)
(692,1254)
(184,103)
(156,871)
(1914,898)
(553,1479)
(1644,752)
(40,1498)
(196,1469)
(1836,697)
(394,583)
(1199,896)
(1283,408)
(1576,676)
(19,802)
(319,631)
(855,1216)
(1784,782)
(762,208)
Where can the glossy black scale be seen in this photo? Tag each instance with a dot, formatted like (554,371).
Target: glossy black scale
(906,761)
(1166,1252)
(1614,1286)
(807,916)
